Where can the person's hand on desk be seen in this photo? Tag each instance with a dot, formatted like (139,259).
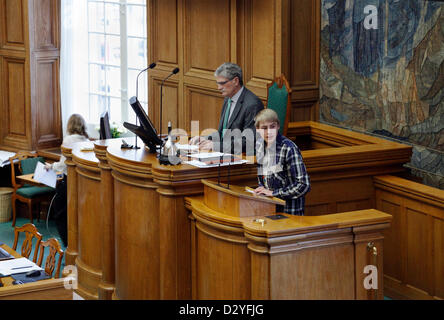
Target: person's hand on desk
(263,191)
(48,166)
(206,145)
(195,140)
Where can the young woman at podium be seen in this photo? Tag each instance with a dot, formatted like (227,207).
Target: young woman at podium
(281,169)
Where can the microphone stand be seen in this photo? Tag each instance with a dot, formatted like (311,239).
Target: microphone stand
(162,158)
(176,70)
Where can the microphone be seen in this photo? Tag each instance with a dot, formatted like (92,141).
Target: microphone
(176,70)
(151,66)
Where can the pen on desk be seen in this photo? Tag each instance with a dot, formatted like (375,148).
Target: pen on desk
(21,267)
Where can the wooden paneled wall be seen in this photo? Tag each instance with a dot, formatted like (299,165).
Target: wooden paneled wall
(265,37)
(29,73)
(414,245)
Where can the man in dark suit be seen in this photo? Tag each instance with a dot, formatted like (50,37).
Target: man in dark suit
(236,132)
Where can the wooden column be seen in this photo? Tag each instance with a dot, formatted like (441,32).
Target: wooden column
(136,211)
(106,286)
(174,241)
(72,251)
(29,73)
(89,217)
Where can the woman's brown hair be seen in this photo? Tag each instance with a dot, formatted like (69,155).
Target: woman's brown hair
(77,125)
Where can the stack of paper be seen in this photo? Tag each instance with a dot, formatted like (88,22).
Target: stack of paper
(187,147)
(4,157)
(46,177)
(19,265)
(214,159)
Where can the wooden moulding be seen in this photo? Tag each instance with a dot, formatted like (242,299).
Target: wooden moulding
(413,267)
(236,201)
(301,257)
(410,189)
(50,289)
(348,150)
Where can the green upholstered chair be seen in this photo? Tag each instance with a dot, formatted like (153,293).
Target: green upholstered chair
(278,99)
(28,194)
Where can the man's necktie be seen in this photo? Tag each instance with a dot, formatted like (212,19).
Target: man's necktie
(227,115)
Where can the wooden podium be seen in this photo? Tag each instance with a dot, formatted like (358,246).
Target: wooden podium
(240,253)
(236,201)
(131,229)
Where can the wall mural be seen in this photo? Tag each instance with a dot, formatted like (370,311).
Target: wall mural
(382,72)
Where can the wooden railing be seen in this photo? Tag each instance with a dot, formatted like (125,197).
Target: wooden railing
(414,245)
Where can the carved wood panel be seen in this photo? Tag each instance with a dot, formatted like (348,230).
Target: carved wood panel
(266,38)
(45,23)
(414,256)
(170,104)
(46,103)
(304,30)
(207,35)
(204,106)
(260,41)
(163,36)
(29,55)
(15,129)
(12,31)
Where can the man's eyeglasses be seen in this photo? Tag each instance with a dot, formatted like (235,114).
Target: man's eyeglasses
(222,83)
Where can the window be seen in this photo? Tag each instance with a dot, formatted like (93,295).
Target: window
(104,47)
(117,51)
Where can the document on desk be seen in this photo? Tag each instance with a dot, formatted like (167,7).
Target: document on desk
(4,157)
(46,177)
(214,159)
(187,147)
(19,265)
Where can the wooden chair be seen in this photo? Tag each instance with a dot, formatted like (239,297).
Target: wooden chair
(30,232)
(54,248)
(278,99)
(30,195)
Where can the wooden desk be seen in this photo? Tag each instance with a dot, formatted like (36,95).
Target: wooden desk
(48,289)
(129,231)
(29,179)
(239,253)
(123,204)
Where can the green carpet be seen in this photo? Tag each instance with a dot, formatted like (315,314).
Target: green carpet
(7,235)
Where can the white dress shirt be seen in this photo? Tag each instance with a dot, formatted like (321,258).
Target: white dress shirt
(68,142)
(234,101)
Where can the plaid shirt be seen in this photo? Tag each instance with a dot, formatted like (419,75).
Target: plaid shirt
(285,173)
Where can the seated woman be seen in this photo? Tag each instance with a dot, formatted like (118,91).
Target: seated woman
(76,130)
(281,169)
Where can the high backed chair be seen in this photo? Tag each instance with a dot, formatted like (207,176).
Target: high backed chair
(30,195)
(54,248)
(278,99)
(30,232)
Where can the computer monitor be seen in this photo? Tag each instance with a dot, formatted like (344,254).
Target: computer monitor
(105,129)
(146,131)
